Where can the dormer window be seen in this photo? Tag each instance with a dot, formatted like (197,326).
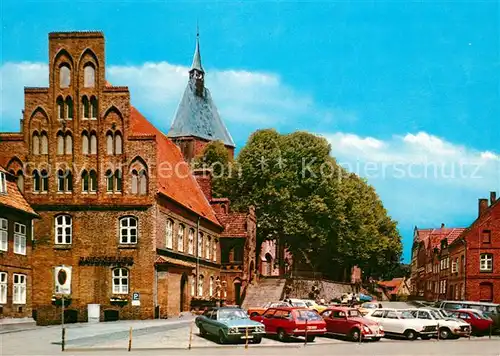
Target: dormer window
(88,76)
(64,76)
(3,183)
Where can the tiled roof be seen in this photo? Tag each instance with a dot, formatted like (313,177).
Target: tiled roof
(234,224)
(161,260)
(180,185)
(14,198)
(432,237)
(393,285)
(198,116)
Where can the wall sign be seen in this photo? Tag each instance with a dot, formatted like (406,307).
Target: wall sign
(106,261)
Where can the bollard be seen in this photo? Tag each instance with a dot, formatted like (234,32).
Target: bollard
(130,339)
(190,335)
(305,342)
(63,338)
(246,337)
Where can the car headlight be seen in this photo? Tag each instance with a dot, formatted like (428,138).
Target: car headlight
(380,327)
(366,328)
(233,330)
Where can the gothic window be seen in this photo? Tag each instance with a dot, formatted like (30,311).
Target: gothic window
(191,242)
(64,76)
(214,257)
(118,180)
(135,182)
(143,182)
(60,107)
(200,245)
(93,143)
(85,181)
(36,181)
(20,180)
(93,107)
(200,285)
(35,143)
(68,144)
(193,285)
(44,181)
(208,247)
(109,143)
(169,232)
(60,143)
(93,181)
(44,144)
(85,107)
(211,286)
(109,180)
(88,76)
(64,181)
(69,107)
(85,143)
(180,238)
(118,143)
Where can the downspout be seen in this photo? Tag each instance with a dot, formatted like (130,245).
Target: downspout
(197,255)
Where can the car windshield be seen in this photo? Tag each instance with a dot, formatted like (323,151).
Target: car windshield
(436,315)
(227,314)
(308,315)
(299,304)
(369,306)
(444,313)
(354,313)
(453,306)
(309,304)
(406,315)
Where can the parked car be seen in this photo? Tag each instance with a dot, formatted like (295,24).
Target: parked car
(254,311)
(311,304)
(448,327)
(349,322)
(366,307)
(297,303)
(286,322)
(480,324)
(403,323)
(229,324)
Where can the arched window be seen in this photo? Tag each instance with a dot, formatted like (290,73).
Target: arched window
(118,180)
(135,182)
(36,181)
(44,180)
(200,245)
(208,247)
(85,143)
(169,233)
(85,107)
(93,143)
(128,230)
(118,143)
(69,144)
(191,242)
(143,183)
(211,286)
(93,108)
(64,76)
(64,181)
(269,265)
(193,285)
(64,229)
(120,281)
(20,180)
(69,107)
(200,285)
(93,181)
(60,107)
(109,180)
(214,253)
(44,144)
(35,144)
(60,143)
(85,181)
(88,76)
(109,143)
(180,238)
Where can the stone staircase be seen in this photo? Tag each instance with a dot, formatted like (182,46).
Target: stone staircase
(268,289)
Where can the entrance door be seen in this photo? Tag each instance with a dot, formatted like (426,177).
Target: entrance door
(237,292)
(183,293)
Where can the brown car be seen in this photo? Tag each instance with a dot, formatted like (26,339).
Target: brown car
(260,310)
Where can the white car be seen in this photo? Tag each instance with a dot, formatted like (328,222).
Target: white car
(448,327)
(403,323)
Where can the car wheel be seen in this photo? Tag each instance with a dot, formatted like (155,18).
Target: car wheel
(202,331)
(310,338)
(354,334)
(222,338)
(411,334)
(425,337)
(282,336)
(257,340)
(444,333)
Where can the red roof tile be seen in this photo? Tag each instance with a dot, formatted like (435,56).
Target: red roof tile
(14,198)
(393,285)
(432,237)
(234,224)
(178,183)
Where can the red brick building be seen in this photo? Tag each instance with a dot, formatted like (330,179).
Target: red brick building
(459,264)
(119,205)
(16,243)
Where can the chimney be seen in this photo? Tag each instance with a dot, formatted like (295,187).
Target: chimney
(483,205)
(204,178)
(442,225)
(493,198)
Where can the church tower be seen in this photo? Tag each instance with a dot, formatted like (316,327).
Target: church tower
(197,121)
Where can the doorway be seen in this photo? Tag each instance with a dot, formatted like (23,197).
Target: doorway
(183,293)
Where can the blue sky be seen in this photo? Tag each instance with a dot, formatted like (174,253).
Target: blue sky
(389,84)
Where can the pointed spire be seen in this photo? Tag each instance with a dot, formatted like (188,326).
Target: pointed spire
(197,57)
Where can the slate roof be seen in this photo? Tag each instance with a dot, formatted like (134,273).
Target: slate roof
(14,198)
(197,56)
(179,186)
(198,116)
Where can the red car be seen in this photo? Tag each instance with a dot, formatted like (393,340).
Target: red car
(480,324)
(286,322)
(350,323)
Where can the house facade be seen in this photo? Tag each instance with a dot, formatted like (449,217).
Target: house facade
(16,246)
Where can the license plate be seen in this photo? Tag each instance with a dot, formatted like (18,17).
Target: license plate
(249,337)
(312,327)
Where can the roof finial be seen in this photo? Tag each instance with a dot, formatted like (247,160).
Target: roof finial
(197,57)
